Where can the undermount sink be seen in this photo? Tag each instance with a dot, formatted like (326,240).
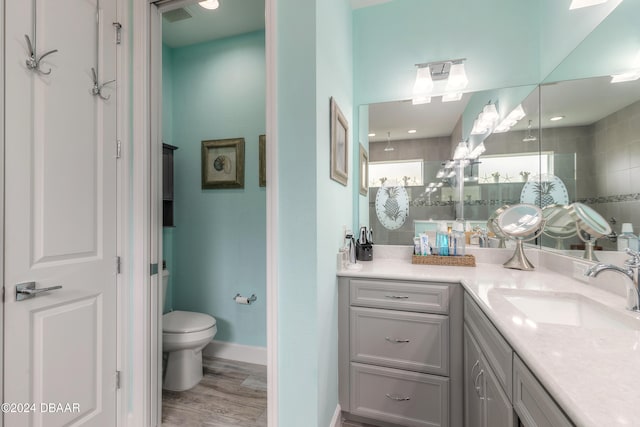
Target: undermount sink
(569,309)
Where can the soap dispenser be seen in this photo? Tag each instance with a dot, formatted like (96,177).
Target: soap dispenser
(627,239)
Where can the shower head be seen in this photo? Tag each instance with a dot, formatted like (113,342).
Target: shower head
(530,137)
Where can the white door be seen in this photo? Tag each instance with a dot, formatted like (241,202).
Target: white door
(60,215)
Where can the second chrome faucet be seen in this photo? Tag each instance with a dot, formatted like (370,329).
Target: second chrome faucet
(630,270)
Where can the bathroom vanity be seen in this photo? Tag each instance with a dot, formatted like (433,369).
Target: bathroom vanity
(486,346)
(401,351)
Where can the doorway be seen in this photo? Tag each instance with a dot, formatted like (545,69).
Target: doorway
(213,92)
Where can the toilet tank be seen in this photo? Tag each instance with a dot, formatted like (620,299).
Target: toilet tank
(165,281)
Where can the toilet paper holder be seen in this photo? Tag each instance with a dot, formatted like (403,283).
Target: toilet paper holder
(242,300)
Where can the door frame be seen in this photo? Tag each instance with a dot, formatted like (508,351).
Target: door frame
(141,385)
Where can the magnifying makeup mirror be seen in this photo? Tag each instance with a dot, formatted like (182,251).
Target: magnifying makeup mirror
(522,223)
(492,226)
(590,226)
(559,224)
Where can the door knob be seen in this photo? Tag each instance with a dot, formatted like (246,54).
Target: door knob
(28,290)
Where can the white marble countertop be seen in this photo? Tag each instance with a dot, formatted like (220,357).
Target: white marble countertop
(592,373)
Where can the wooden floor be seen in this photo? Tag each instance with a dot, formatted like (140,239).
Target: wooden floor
(231,394)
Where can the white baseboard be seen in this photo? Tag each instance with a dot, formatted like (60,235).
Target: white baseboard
(239,352)
(336,421)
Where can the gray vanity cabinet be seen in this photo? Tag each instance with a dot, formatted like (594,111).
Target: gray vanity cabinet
(488,372)
(400,348)
(497,382)
(486,404)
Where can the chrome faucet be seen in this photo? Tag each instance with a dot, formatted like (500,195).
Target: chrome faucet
(631,270)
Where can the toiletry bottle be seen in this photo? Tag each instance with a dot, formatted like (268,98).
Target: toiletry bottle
(442,239)
(459,239)
(627,239)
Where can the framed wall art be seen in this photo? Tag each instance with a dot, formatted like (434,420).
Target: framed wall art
(339,145)
(223,163)
(364,171)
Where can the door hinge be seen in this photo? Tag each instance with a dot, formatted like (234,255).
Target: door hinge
(118,27)
(118,265)
(118,149)
(117,379)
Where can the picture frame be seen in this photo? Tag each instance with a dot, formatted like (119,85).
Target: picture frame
(223,163)
(262,160)
(339,145)
(364,171)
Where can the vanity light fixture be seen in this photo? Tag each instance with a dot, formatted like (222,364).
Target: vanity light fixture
(454,96)
(556,118)
(451,70)
(389,147)
(457,77)
(461,152)
(489,116)
(629,76)
(514,117)
(477,151)
(578,4)
(210,4)
(423,86)
(478,128)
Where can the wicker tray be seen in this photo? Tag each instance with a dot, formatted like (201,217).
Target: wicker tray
(456,261)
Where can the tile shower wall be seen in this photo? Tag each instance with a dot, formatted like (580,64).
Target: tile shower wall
(218,91)
(615,168)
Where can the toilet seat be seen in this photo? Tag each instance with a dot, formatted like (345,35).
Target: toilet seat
(180,322)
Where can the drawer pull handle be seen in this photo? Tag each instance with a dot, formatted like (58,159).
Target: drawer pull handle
(396,296)
(397,398)
(395,340)
(475,383)
(475,365)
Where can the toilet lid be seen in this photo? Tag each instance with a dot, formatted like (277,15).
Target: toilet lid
(186,321)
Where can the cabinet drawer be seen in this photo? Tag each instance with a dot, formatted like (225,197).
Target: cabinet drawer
(405,398)
(532,403)
(405,340)
(430,298)
(496,350)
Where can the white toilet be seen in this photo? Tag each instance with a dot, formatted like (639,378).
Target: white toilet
(184,335)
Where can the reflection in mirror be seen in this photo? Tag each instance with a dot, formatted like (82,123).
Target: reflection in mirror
(592,127)
(444,179)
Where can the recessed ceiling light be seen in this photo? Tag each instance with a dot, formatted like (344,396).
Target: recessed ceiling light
(411,131)
(210,4)
(556,118)
(372,134)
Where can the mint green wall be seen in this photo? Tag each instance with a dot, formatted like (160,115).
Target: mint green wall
(314,63)
(597,56)
(561,29)
(334,202)
(167,137)
(361,212)
(499,38)
(218,91)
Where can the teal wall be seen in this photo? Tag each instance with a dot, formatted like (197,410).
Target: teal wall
(561,29)
(620,25)
(499,39)
(314,63)
(218,91)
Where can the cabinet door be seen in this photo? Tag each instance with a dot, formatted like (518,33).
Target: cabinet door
(473,414)
(497,408)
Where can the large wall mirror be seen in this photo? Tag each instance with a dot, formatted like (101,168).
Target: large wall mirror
(576,140)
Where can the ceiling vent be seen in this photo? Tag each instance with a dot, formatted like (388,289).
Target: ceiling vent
(176,15)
